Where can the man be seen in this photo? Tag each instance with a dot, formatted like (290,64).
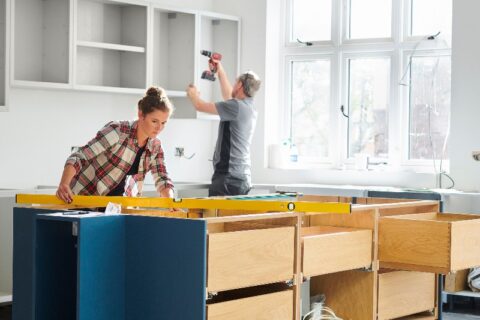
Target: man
(231,160)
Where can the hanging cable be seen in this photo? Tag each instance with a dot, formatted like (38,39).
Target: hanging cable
(407,68)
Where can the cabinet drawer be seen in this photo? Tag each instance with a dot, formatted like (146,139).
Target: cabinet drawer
(333,249)
(247,258)
(431,242)
(402,293)
(278,306)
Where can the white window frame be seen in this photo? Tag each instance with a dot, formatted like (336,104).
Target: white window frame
(345,98)
(286,116)
(346,26)
(339,49)
(289,42)
(419,163)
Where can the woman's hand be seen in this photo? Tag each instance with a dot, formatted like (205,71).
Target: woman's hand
(65,193)
(168,193)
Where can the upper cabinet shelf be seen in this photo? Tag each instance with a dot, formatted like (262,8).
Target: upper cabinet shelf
(119,46)
(111,45)
(112,22)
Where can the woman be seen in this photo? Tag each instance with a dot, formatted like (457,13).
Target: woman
(121,154)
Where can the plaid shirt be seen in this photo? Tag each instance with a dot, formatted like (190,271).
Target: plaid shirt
(102,164)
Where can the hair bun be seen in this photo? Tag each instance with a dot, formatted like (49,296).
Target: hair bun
(155,92)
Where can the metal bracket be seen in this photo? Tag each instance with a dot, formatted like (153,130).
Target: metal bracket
(210,295)
(75,228)
(367,269)
(290,283)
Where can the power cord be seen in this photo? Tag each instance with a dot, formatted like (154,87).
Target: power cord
(407,68)
(440,171)
(321,313)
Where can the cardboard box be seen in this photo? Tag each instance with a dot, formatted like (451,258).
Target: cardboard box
(457,281)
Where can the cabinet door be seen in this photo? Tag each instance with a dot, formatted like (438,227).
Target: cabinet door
(101,268)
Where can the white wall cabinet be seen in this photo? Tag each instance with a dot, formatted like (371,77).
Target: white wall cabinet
(41,41)
(3,53)
(121,46)
(111,41)
(218,34)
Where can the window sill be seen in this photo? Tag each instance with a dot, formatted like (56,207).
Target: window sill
(299,166)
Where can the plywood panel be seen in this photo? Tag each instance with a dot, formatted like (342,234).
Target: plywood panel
(409,209)
(253,257)
(350,294)
(402,293)
(465,244)
(431,242)
(428,315)
(361,220)
(318,198)
(423,243)
(278,306)
(334,249)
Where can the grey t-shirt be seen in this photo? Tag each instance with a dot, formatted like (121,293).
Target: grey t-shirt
(235,132)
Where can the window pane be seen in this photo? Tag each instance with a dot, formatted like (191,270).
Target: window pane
(311,20)
(429,106)
(369,85)
(370,19)
(310,107)
(431,16)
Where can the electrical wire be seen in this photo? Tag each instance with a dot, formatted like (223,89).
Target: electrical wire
(325,314)
(440,170)
(407,68)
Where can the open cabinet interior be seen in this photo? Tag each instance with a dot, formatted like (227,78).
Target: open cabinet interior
(41,41)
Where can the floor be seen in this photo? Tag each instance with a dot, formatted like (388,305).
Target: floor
(456,316)
(6,311)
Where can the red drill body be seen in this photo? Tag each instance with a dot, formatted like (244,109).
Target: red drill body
(210,74)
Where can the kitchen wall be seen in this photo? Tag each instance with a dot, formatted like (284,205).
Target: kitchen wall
(37,132)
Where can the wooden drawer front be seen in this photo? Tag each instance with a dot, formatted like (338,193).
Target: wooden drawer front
(247,258)
(402,293)
(332,249)
(278,306)
(428,315)
(430,242)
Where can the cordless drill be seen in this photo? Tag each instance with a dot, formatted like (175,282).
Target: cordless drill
(210,74)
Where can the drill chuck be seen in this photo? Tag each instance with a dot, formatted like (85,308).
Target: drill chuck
(210,54)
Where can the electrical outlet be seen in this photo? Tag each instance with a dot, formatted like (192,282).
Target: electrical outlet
(476,155)
(179,152)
